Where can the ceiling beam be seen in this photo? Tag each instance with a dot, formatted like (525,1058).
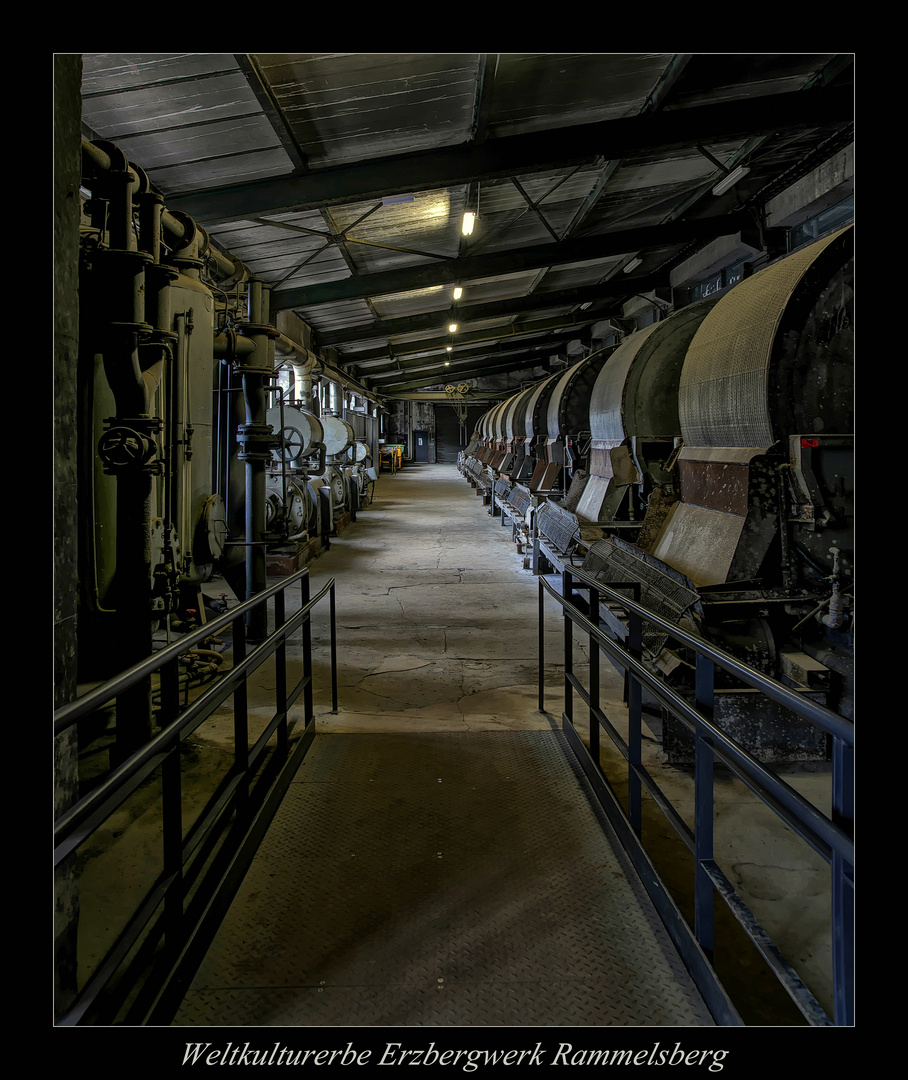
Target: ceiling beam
(518,305)
(458,271)
(519,154)
(575,321)
(545,341)
(452,374)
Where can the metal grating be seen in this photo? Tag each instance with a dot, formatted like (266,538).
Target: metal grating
(663,590)
(443,879)
(558,526)
(521,499)
(502,487)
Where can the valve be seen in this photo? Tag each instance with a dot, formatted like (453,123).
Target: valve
(124,448)
(293,443)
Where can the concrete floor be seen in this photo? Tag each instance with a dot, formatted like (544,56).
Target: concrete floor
(437,632)
(437,618)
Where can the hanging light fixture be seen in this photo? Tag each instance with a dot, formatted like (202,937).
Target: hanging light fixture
(730,179)
(471,213)
(458,292)
(452,328)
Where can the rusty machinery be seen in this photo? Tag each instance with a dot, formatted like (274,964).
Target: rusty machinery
(718,474)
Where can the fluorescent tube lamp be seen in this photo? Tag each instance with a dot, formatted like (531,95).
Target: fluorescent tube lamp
(730,180)
(632,265)
(452,329)
(458,292)
(469,220)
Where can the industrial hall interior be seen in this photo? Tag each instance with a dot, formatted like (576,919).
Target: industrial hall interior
(454,559)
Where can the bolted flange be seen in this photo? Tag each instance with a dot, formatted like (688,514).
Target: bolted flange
(256,442)
(124,448)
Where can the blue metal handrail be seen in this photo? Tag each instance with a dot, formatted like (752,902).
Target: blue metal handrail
(157,952)
(829,836)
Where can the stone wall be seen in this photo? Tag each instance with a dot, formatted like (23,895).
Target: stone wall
(67,175)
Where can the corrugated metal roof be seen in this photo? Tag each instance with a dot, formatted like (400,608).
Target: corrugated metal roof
(341,178)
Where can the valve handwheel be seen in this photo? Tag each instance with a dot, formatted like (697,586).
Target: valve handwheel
(122,446)
(293,443)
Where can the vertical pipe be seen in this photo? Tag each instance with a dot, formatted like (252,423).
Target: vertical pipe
(256,577)
(255,435)
(120,283)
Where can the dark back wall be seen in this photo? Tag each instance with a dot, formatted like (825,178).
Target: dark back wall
(448,430)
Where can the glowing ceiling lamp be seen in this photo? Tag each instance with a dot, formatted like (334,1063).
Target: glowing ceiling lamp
(452,328)
(469,220)
(730,179)
(458,292)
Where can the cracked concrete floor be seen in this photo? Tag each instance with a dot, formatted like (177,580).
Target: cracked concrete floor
(437,631)
(436,616)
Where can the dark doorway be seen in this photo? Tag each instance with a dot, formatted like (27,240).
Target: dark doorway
(450,435)
(421,446)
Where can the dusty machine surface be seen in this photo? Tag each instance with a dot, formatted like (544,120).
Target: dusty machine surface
(718,474)
(204,454)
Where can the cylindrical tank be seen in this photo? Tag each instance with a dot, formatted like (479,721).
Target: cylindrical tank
(302,432)
(537,406)
(568,412)
(765,405)
(517,428)
(339,436)
(635,397)
(775,356)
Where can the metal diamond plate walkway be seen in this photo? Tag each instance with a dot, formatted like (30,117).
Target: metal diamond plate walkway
(441,879)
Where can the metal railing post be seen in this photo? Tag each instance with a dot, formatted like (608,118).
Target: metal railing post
(541,646)
(148,967)
(241,721)
(566,580)
(594,676)
(843,885)
(172,803)
(306,632)
(831,836)
(635,723)
(280,675)
(703,807)
(333,651)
